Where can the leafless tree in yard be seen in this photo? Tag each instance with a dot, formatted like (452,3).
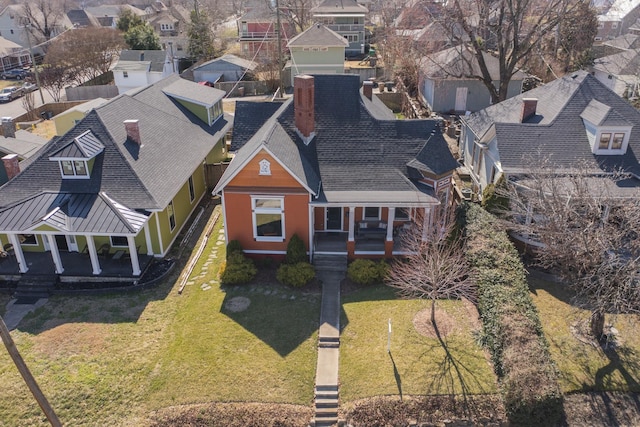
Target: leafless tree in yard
(512,30)
(42,17)
(588,232)
(436,267)
(29,104)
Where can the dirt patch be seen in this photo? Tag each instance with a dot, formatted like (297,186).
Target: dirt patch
(71,338)
(233,415)
(602,409)
(237,304)
(423,323)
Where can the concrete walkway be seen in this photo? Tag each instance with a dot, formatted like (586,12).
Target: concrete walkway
(330,271)
(16,312)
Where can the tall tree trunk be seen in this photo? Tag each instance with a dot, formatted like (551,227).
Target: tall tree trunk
(596,324)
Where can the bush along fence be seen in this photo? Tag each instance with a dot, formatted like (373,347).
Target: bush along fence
(511,328)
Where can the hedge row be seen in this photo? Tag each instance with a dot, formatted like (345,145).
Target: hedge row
(511,328)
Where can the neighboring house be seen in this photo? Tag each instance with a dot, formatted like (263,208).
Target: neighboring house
(257,33)
(449,82)
(81,19)
(573,121)
(19,145)
(227,68)
(615,17)
(318,50)
(333,166)
(619,72)
(118,187)
(171,24)
(12,26)
(71,117)
(137,68)
(345,17)
(12,55)
(108,15)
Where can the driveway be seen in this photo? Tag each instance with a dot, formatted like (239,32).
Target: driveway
(15,108)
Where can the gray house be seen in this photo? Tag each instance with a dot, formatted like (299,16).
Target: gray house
(449,81)
(227,68)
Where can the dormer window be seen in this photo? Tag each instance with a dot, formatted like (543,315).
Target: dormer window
(75,168)
(76,158)
(607,131)
(612,142)
(215,112)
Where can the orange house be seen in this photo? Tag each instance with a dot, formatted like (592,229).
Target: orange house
(335,167)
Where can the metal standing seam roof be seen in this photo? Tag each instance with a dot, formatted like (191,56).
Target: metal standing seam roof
(84,146)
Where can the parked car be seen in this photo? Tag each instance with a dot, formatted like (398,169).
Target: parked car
(29,87)
(16,73)
(10,93)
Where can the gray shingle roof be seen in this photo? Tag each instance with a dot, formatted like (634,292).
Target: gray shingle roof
(461,62)
(619,64)
(25,144)
(353,153)
(248,118)
(232,59)
(184,89)
(318,35)
(125,178)
(560,133)
(155,58)
(339,6)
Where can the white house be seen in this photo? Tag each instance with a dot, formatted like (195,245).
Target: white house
(139,68)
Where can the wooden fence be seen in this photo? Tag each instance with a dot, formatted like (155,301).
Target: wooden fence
(213,172)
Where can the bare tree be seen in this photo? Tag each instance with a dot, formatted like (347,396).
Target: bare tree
(54,78)
(512,30)
(85,53)
(587,231)
(297,12)
(436,267)
(42,18)
(29,104)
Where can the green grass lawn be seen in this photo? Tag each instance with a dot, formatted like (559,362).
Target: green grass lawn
(111,360)
(417,365)
(584,366)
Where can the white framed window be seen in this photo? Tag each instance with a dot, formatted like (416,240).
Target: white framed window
(614,25)
(268,218)
(351,38)
(192,191)
(611,141)
(371,213)
(125,74)
(166,27)
(172,216)
(265,167)
(28,239)
(119,241)
(74,169)
(403,214)
(600,25)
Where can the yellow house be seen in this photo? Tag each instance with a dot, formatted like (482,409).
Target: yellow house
(68,119)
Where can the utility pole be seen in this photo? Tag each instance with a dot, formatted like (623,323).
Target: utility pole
(33,62)
(26,375)
(279,41)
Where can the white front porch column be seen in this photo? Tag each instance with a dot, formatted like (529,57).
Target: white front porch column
(17,249)
(147,239)
(135,265)
(55,253)
(426,223)
(312,226)
(352,222)
(390,218)
(93,254)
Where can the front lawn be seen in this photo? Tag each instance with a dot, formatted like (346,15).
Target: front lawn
(417,364)
(113,360)
(583,365)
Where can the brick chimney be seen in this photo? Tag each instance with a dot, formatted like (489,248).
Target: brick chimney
(367,89)
(304,98)
(133,131)
(11,165)
(528,108)
(8,127)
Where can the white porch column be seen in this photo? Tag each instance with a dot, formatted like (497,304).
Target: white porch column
(55,253)
(147,238)
(352,222)
(312,225)
(390,218)
(426,224)
(93,254)
(17,249)
(135,265)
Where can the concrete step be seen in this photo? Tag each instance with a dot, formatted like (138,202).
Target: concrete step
(321,388)
(326,394)
(35,286)
(330,262)
(326,403)
(329,344)
(326,422)
(326,413)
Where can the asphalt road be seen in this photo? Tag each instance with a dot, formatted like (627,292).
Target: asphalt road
(15,108)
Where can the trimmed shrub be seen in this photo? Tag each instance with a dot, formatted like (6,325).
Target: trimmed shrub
(366,271)
(237,270)
(296,275)
(233,247)
(295,251)
(494,199)
(511,327)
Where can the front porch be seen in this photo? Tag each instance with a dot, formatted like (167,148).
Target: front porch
(336,243)
(77,266)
